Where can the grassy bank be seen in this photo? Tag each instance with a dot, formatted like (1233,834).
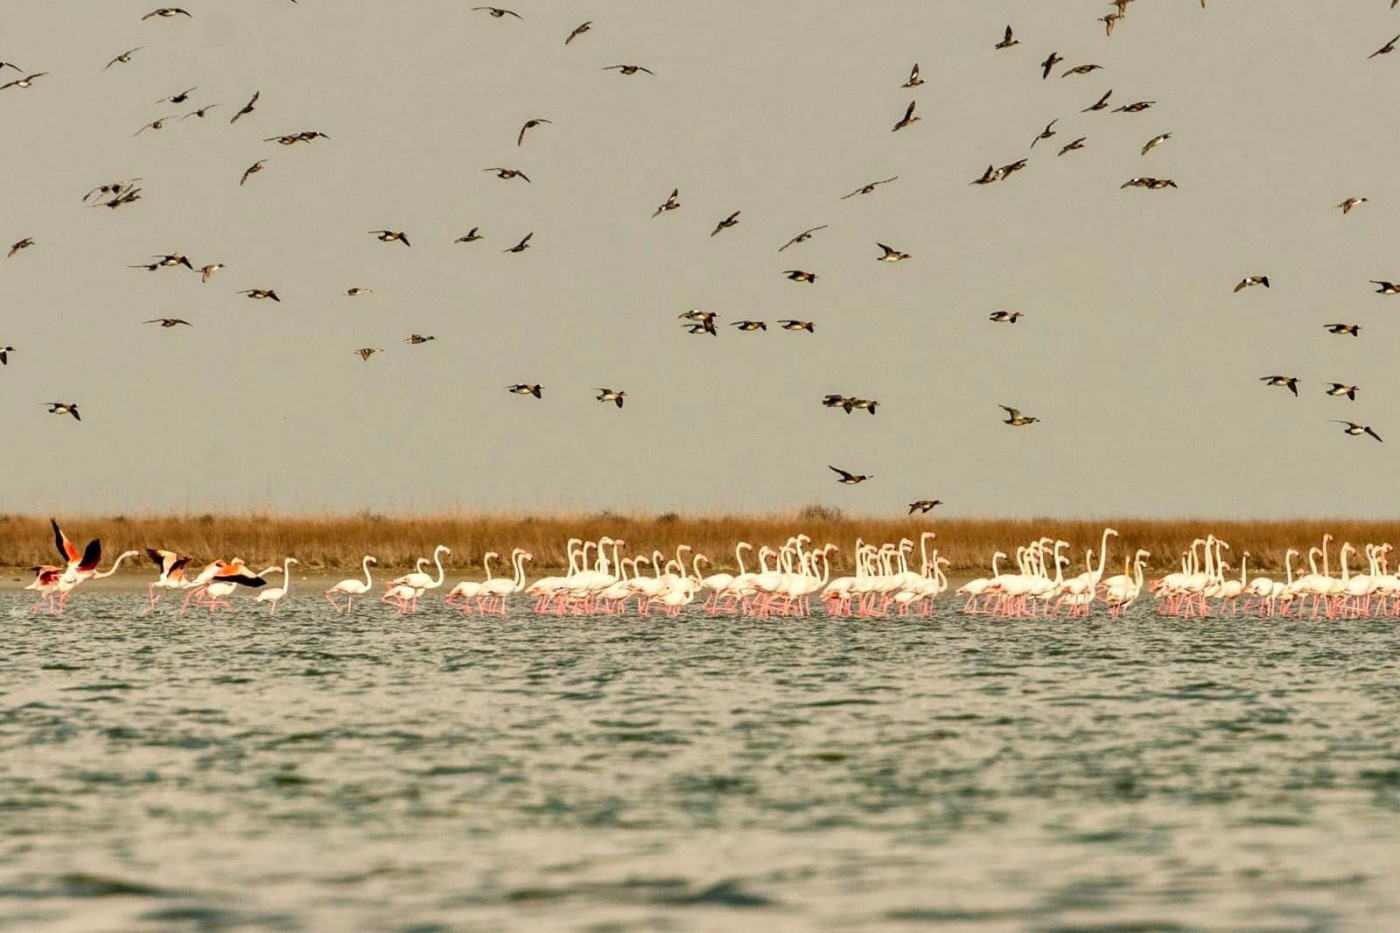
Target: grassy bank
(334,543)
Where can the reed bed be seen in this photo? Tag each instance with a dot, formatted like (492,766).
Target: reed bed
(335,543)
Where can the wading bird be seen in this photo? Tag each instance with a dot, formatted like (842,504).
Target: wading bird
(352,587)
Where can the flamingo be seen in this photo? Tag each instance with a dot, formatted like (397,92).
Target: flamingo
(82,574)
(468,590)
(352,587)
(275,594)
(500,589)
(172,573)
(218,580)
(419,580)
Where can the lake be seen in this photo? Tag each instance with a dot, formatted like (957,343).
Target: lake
(435,772)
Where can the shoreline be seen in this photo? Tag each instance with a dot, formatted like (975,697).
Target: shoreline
(332,545)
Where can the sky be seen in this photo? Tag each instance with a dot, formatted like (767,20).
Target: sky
(1134,352)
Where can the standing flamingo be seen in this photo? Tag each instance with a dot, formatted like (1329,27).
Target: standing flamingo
(275,594)
(352,587)
(419,580)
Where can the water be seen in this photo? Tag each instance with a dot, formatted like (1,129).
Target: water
(439,773)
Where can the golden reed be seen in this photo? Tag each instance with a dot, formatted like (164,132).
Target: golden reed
(335,543)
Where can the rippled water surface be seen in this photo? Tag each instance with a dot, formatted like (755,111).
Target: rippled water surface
(311,772)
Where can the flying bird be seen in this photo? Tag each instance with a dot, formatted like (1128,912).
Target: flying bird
(797,275)
(356,290)
(802,237)
(261,293)
(1137,106)
(1046,133)
(848,478)
(1341,388)
(1051,60)
(670,204)
(416,339)
(908,117)
(365,353)
(1015,418)
(1109,21)
(793,324)
(22,244)
(869,404)
(1101,104)
(200,112)
(5,355)
(205,272)
(1006,317)
(64,408)
(471,236)
(1251,280)
(1353,330)
(578,31)
(914,79)
(1154,142)
(498,12)
(529,125)
(1385,49)
(248,107)
(1356,430)
(168,321)
(608,395)
(166,12)
(629,69)
(1287,382)
(1071,146)
(179,98)
(1079,70)
(522,246)
(1008,40)
(507,173)
(251,170)
(891,254)
(526,388)
(698,314)
(391,236)
(124,58)
(726,223)
(1349,203)
(1386,288)
(154,125)
(867,188)
(924,506)
(748,326)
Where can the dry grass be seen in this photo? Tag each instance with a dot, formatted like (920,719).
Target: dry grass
(334,543)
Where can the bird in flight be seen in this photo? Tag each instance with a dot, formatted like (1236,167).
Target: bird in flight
(260,293)
(1287,382)
(200,112)
(529,125)
(1356,430)
(179,98)
(1386,288)
(793,324)
(168,321)
(390,236)
(914,79)
(526,388)
(415,339)
(1046,133)
(1079,70)
(471,236)
(1008,39)
(154,125)
(704,327)
(798,275)
(5,355)
(1071,146)
(356,290)
(1251,280)
(1137,106)
(908,117)
(891,254)
(1109,21)
(1101,104)
(1154,142)
(609,395)
(1006,317)
(866,189)
(1349,203)
(64,408)
(698,314)
(522,246)
(924,506)
(291,139)
(670,203)
(23,83)
(726,223)
(1148,182)
(205,272)
(869,404)
(1015,418)
(1353,330)
(248,107)
(802,237)
(507,173)
(1385,49)
(22,244)
(848,478)
(166,12)
(579,30)
(833,400)
(124,58)
(747,326)
(173,259)
(629,69)
(251,170)
(1051,60)
(498,12)
(365,353)
(1341,388)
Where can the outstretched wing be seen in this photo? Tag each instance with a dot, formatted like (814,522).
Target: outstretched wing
(92,555)
(67,550)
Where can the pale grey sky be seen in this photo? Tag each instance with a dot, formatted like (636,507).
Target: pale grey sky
(1135,353)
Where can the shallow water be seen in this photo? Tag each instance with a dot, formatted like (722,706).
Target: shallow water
(435,772)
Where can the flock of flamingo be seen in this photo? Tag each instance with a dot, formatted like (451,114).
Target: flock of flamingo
(600,581)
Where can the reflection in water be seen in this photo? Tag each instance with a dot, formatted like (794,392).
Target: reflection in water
(377,772)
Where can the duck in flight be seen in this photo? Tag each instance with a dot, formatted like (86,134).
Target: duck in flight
(64,408)
(848,478)
(1008,39)
(1101,103)
(200,112)
(391,236)
(22,244)
(798,275)
(1251,280)
(629,69)
(793,324)
(1341,388)
(1071,146)
(365,353)
(726,223)
(124,58)
(529,125)
(1154,142)
(699,315)
(908,117)
(914,79)
(179,98)
(207,272)
(1006,317)
(247,108)
(5,355)
(261,293)
(670,204)
(1356,430)
(1385,49)
(579,30)
(1051,60)
(166,12)
(749,326)
(1287,382)
(891,254)
(865,189)
(1079,70)
(168,321)
(154,125)
(1386,288)
(1046,133)
(526,388)
(471,236)
(1353,330)
(1349,203)
(497,12)
(356,290)
(416,339)
(251,170)
(924,506)
(522,246)
(1015,418)
(1137,106)
(609,395)
(802,237)
(507,173)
